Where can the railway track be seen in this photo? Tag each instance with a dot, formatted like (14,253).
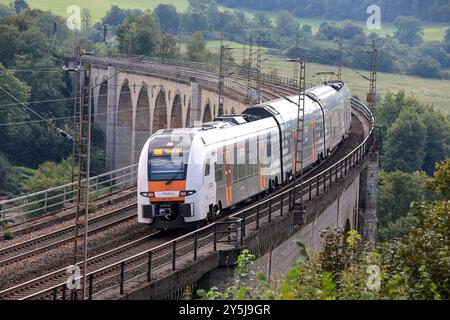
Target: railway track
(32,287)
(65,214)
(63,236)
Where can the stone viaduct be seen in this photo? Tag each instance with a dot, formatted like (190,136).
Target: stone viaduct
(131,105)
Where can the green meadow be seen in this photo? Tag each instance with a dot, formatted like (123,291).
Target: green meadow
(99,7)
(431,91)
(432,31)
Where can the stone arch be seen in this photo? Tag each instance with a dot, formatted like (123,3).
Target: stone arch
(101,116)
(141,122)
(160,113)
(176,117)
(232,111)
(124,130)
(207,114)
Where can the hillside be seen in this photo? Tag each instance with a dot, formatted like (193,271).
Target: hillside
(434,92)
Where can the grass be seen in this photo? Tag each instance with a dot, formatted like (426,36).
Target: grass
(432,31)
(99,7)
(431,91)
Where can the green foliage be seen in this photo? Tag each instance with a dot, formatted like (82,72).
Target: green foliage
(240,290)
(397,190)
(440,184)
(139,36)
(412,264)
(116,16)
(196,49)
(20,5)
(169,48)
(426,68)
(167,17)
(9,177)
(409,30)
(8,234)
(49,175)
(285,24)
(405,143)
(396,228)
(414,135)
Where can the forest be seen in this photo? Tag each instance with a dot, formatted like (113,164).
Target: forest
(427,10)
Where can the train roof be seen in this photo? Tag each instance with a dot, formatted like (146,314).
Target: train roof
(215,131)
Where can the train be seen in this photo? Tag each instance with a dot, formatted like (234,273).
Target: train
(188,177)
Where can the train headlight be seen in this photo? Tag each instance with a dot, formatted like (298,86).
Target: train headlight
(187,193)
(148,194)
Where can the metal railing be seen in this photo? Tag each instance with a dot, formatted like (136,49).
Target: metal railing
(53,199)
(230,233)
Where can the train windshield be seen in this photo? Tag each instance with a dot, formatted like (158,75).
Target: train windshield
(167,161)
(164,168)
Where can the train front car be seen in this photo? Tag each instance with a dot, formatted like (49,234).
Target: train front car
(169,179)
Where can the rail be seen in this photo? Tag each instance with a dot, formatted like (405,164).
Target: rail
(50,200)
(231,232)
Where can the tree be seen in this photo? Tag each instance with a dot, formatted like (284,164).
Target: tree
(438,138)
(20,5)
(447,40)
(349,31)
(10,43)
(169,48)
(167,17)
(327,31)
(116,16)
(285,24)
(262,20)
(9,177)
(397,190)
(405,143)
(5,10)
(409,30)
(49,175)
(440,184)
(426,67)
(447,35)
(196,48)
(86,19)
(141,35)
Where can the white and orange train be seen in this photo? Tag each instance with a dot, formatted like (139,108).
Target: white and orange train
(190,176)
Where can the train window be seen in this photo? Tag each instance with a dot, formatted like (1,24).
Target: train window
(208,168)
(269,144)
(219,172)
(235,164)
(247,151)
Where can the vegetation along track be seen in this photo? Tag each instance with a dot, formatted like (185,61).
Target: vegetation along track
(32,287)
(60,237)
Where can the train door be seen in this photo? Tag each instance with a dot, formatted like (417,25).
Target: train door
(262,149)
(209,183)
(330,130)
(294,142)
(314,141)
(228,176)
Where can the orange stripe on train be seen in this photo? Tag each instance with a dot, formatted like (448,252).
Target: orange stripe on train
(161,186)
